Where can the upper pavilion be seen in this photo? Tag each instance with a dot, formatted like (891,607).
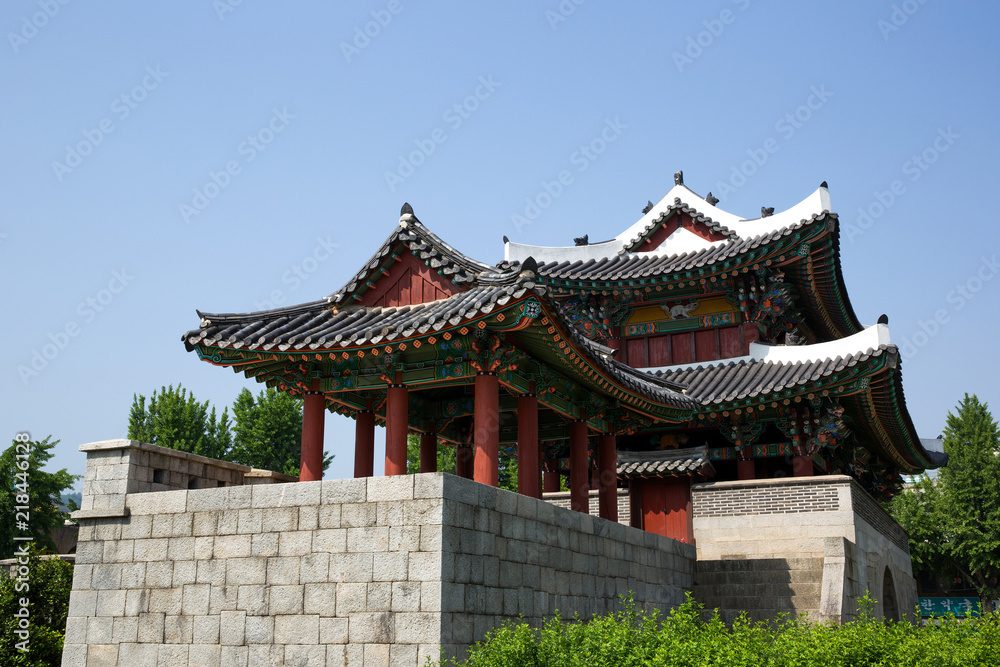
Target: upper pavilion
(703,344)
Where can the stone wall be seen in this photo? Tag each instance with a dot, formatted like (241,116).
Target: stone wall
(835,542)
(373,571)
(562,499)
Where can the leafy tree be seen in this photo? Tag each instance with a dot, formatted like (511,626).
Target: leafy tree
(175,419)
(446,462)
(47,588)
(954,520)
(41,493)
(268,432)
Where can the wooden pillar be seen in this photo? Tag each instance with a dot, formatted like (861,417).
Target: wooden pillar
(802,466)
(666,508)
(579,467)
(745,470)
(397,406)
(550,482)
(428,452)
(463,461)
(313,416)
(635,503)
(607,473)
(487,430)
(527,446)
(364,445)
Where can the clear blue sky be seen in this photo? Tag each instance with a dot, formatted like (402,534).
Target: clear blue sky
(115,113)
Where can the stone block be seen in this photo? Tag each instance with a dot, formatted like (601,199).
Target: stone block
(135,527)
(253,599)
(343,491)
(417,628)
(297,629)
(351,567)
(106,577)
(295,494)
(372,628)
(430,595)
(424,566)
(162,502)
(295,543)
(232,628)
(368,539)
(314,567)
(283,570)
(165,600)
(180,548)
(358,515)
(204,655)
(319,598)
(376,655)
(111,603)
(328,516)
(404,538)
(207,500)
(243,571)
(151,628)
(351,598)
(380,596)
(333,630)
(428,485)
(137,655)
(206,630)
(260,630)
(99,629)
(279,519)
(178,629)
(249,521)
(234,656)
(399,487)
(232,546)
(332,540)
(102,655)
(285,599)
(264,544)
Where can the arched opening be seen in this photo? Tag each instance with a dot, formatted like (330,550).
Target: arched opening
(890,611)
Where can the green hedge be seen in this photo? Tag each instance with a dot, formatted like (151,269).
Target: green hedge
(633,638)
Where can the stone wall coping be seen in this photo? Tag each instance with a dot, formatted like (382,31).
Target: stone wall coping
(776,481)
(270,474)
(102,513)
(105,445)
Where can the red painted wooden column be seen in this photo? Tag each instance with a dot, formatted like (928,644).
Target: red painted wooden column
(487,431)
(666,508)
(802,466)
(527,446)
(428,452)
(579,467)
(364,445)
(313,416)
(397,406)
(745,470)
(550,480)
(635,503)
(463,461)
(607,472)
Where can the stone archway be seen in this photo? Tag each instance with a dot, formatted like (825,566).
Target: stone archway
(890,610)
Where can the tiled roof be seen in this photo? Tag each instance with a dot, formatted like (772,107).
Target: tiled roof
(425,245)
(723,382)
(678,207)
(670,463)
(642,265)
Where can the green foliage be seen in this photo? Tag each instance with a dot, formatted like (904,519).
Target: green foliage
(266,433)
(44,490)
(954,520)
(446,462)
(683,637)
(175,419)
(48,586)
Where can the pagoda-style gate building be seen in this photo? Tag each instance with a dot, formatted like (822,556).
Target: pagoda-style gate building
(693,346)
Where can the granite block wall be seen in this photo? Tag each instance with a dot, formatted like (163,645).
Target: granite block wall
(836,541)
(377,571)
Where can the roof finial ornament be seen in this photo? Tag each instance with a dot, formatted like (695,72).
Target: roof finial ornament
(824,185)
(529,267)
(766,211)
(406,214)
(679,178)
(883,319)
(505,239)
(582,240)
(711,199)
(648,207)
